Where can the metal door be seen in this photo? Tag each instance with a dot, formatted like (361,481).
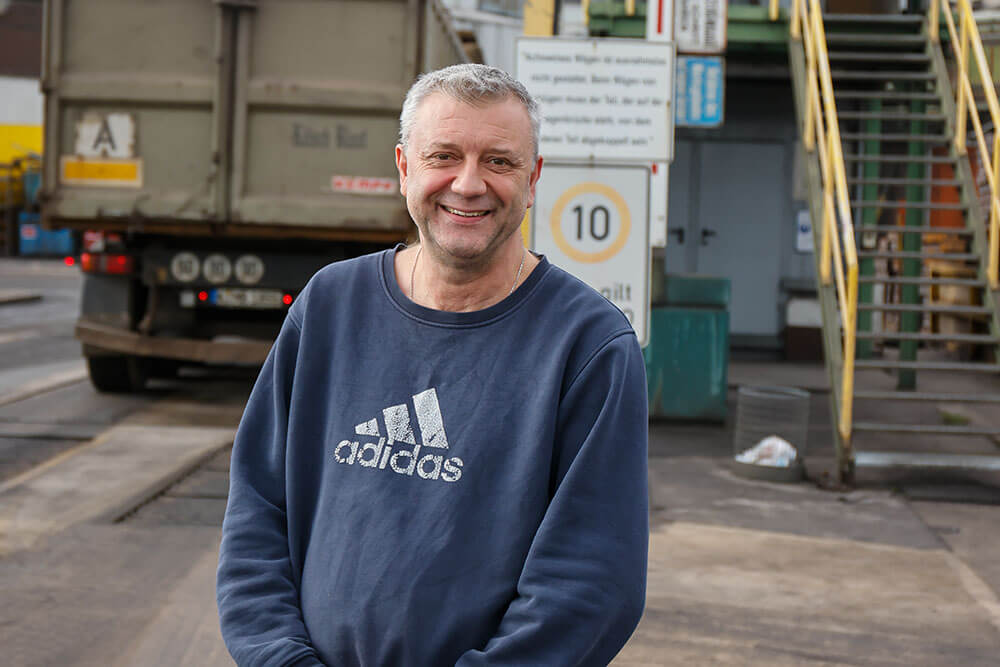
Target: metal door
(130,92)
(680,216)
(318,89)
(281,113)
(738,234)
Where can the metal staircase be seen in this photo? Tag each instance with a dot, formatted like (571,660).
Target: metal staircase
(910,315)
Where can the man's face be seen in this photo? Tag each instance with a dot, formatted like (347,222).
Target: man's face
(468,175)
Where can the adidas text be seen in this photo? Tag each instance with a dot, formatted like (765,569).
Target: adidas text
(403,460)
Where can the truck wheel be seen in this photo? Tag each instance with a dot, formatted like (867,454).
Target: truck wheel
(118,374)
(159,367)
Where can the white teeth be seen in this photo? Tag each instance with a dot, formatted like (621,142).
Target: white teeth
(474,214)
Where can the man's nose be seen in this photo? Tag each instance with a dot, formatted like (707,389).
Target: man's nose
(469,181)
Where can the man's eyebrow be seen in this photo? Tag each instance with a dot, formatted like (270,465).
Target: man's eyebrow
(449,146)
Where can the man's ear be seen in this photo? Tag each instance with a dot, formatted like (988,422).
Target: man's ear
(533,180)
(401,167)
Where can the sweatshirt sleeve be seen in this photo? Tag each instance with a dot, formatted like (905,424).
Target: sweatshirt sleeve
(582,589)
(256,592)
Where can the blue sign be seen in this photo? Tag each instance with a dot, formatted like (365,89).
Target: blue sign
(700,91)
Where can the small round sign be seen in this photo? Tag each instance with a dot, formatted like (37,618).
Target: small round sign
(249,269)
(184,267)
(596,227)
(217,268)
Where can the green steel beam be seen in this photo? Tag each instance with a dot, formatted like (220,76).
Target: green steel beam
(746,26)
(869,216)
(910,322)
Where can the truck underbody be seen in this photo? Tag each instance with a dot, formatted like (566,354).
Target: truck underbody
(154,303)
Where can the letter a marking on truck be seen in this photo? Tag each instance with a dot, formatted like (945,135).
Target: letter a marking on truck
(104,136)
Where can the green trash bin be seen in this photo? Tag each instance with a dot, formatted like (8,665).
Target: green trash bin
(687,359)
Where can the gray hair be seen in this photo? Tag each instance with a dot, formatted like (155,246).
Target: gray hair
(473,84)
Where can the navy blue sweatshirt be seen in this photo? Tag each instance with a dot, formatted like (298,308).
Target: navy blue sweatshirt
(416,487)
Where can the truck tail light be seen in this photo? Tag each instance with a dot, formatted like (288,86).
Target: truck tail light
(118,263)
(106,263)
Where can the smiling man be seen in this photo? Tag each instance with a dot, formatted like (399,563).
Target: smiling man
(443,460)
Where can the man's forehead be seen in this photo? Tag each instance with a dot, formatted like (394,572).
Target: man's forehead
(441,105)
(442,119)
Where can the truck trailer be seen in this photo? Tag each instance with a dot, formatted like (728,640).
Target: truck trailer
(215,154)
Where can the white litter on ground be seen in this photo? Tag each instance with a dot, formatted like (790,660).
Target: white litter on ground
(771,451)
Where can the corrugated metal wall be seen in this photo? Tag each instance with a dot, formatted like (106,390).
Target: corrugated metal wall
(21,39)
(20,63)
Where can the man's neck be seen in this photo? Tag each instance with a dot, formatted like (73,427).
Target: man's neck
(432,284)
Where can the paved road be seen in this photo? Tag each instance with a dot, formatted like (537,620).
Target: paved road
(110,509)
(41,330)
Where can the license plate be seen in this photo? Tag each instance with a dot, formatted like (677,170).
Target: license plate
(236,297)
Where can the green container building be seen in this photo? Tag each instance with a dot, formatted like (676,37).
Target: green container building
(687,359)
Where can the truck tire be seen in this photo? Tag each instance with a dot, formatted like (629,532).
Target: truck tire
(159,367)
(117,374)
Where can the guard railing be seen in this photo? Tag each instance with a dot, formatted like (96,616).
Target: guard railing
(963,38)
(821,133)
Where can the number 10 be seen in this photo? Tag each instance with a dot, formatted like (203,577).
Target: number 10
(593,222)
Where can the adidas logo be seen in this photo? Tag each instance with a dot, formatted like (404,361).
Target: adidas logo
(398,434)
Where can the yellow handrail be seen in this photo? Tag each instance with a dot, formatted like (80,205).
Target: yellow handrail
(963,38)
(821,132)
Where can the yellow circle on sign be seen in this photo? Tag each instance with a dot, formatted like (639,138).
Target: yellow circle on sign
(563,242)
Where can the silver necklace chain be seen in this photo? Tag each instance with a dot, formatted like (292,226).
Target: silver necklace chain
(517,277)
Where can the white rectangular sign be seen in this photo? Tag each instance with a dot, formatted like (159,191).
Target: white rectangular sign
(594,223)
(601,99)
(103,135)
(803,231)
(700,25)
(660,20)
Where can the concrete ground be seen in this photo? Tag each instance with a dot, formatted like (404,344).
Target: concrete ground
(899,571)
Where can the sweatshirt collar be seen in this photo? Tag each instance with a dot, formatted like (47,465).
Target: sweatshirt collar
(387,276)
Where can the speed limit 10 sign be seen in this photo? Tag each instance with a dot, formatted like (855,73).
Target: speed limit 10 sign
(594,223)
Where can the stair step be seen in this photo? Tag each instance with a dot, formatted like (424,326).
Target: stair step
(981,339)
(875,19)
(880,75)
(879,56)
(888,136)
(930,307)
(963,231)
(926,396)
(903,181)
(927,429)
(928,365)
(905,280)
(983,106)
(934,206)
(892,115)
(839,95)
(874,39)
(903,254)
(923,461)
(906,159)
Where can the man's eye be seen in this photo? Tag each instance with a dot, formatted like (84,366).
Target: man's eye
(441,156)
(500,162)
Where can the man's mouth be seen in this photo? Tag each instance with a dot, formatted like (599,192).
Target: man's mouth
(464,214)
